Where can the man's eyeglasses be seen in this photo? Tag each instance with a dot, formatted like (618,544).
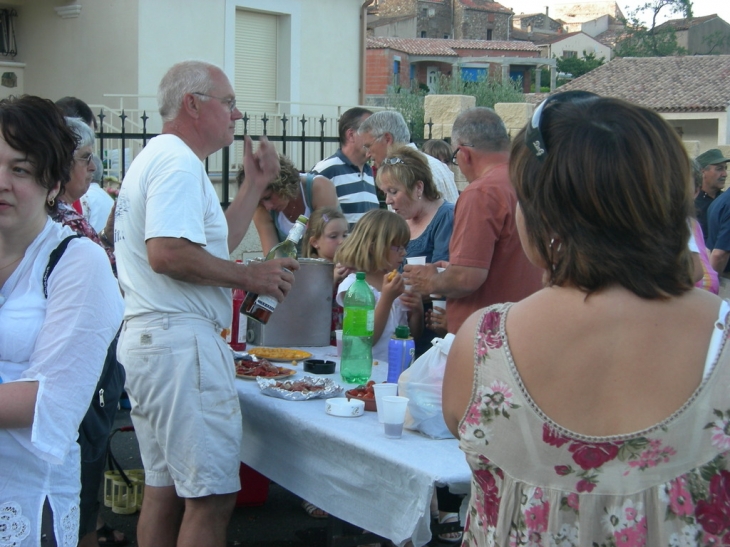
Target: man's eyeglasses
(534,136)
(453,156)
(367,146)
(393,160)
(229,102)
(86,158)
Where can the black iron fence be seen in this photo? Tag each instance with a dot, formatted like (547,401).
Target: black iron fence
(288,134)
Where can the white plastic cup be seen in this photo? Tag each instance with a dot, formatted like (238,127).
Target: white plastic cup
(338,337)
(394,414)
(383,390)
(418,260)
(440,303)
(439,270)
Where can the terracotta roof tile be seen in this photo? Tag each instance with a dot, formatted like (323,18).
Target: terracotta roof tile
(437,46)
(545,38)
(667,84)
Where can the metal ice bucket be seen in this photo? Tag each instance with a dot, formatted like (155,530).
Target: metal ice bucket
(304,317)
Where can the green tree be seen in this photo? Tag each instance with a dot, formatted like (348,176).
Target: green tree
(576,66)
(639,40)
(487,92)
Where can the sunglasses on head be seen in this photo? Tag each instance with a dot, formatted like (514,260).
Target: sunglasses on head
(393,160)
(534,136)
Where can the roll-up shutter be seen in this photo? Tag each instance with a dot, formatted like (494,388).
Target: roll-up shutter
(256,61)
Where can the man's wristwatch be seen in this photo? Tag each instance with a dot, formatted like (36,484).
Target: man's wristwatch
(105,240)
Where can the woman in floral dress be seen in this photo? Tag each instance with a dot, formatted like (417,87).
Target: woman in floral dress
(596,412)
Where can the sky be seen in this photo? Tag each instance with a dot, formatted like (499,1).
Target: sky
(701,7)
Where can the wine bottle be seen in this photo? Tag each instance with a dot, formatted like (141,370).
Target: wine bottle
(259,307)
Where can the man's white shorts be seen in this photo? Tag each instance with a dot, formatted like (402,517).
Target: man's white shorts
(185,408)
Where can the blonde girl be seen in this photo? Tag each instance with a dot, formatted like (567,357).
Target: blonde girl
(377,247)
(326,230)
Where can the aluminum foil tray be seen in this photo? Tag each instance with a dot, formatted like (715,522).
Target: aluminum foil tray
(325,388)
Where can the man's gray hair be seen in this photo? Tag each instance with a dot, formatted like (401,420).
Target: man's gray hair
(182,78)
(84,134)
(482,129)
(387,121)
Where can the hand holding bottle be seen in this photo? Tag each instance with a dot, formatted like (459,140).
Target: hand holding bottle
(272,277)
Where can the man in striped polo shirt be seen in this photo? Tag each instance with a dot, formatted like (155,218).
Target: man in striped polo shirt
(346,168)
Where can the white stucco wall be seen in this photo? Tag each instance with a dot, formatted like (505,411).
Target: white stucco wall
(323,52)
(580,43)
(125,46)
(709,128)
(86,56)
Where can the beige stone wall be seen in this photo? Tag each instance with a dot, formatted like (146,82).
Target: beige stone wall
(692,148)
(514,115)
(442,110)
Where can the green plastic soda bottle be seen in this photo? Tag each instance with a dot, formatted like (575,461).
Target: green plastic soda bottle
(358,325)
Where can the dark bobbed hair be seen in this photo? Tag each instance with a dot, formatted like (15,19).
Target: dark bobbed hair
(614,192)
(36,127)
(366,248)
(351,119)
(73,107)
(414,168)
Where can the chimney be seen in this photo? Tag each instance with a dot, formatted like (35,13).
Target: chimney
(546,23)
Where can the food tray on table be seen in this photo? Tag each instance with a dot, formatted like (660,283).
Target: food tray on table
(250,370)
(282,355)
(364,393)
(300,390)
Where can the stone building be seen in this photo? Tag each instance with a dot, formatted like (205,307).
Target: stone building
(457,19)
(537,23)
(405,61)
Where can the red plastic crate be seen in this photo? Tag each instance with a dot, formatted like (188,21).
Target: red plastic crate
(254,487)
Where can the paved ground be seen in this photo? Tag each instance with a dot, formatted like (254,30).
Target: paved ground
(280,522)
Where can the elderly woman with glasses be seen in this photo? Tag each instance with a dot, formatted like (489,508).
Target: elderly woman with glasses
(82,171)
(596,411)
(288,196)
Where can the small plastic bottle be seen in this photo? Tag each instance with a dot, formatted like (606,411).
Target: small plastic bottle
(401,351)
(358,325)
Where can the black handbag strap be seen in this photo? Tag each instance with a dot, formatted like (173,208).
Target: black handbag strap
(53,260)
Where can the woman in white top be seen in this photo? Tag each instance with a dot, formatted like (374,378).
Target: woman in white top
(54,329)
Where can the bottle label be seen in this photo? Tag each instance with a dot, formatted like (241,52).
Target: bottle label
(371,321)
(267,302)
(296,232)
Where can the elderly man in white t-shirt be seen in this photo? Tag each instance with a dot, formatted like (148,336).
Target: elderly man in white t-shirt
(172,244)
(387,129)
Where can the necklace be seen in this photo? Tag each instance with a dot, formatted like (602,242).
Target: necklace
(13,262)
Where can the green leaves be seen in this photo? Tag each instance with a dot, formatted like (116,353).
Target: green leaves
(640,40)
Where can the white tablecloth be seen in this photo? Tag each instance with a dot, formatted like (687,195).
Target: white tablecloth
(347,466)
